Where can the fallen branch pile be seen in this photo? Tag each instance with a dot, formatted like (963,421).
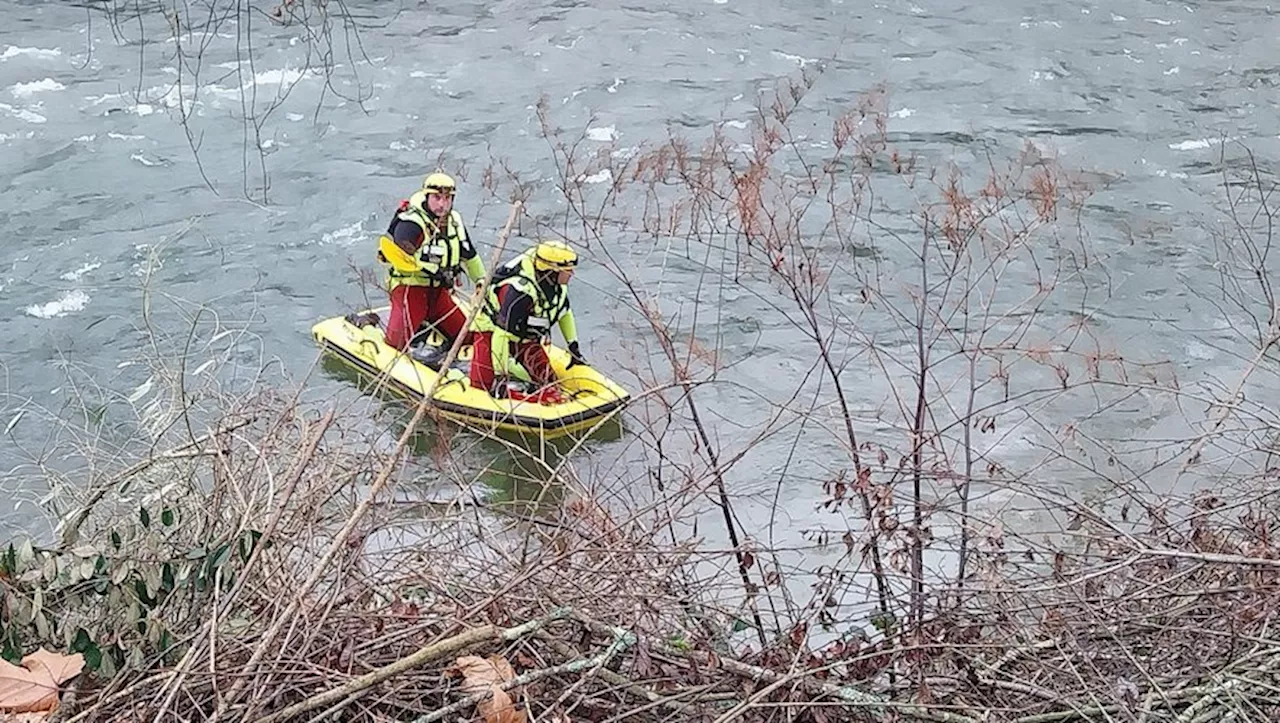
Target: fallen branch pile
(584,615)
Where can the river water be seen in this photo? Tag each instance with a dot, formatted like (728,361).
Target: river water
(107,188)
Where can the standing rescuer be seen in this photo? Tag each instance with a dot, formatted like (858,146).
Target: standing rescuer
(529,294)
(427,246)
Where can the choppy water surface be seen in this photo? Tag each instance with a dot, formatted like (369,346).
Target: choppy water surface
(102,189)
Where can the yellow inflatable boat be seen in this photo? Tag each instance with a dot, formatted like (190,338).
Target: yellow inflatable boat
(584,400)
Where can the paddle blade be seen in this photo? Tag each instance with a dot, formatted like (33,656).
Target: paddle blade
(396,256)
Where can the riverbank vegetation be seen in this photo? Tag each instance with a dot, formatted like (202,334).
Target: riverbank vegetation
(967,547)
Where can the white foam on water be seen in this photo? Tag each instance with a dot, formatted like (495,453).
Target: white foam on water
(124,136)
(1198,144)
(14,51)
(1199,350)
(294,117)
(736,124)
(793,58)
(277,77)
(601,176)
(603,134)
(44,85)
(86,139)
(902,113)
(23,114)
(149,162)
(75,275)
(344,236)
(1173,71)
(190,40)
(614,87)
(625,153)
(100,99)
(1158,21)
(70,302)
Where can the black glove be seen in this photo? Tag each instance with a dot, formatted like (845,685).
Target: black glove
(575,355)
(498,390)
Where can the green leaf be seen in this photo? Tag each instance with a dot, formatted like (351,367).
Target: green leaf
(166,577)
(215,560)
(92,657)
(144,517)
(81,641)
(739,625)
(166,517)
(25,554)
(247,542)
(195,553)
(115,539)
(884,622)
(140,587)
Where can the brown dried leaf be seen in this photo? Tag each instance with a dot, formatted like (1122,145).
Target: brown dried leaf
(486,675)
(500,709)
(40,717)
(33,688)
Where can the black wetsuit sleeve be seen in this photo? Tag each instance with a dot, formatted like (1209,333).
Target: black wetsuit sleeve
(513,315)
(407,236)
(467,248)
